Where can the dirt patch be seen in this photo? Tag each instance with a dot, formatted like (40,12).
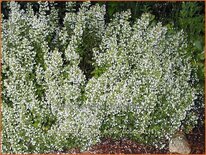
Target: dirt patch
(196,139)
(124,146)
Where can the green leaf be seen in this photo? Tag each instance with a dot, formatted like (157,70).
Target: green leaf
(36,124)
(198,45)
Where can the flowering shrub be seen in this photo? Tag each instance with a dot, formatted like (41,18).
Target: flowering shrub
(43,84)
(141,86)
(143,91)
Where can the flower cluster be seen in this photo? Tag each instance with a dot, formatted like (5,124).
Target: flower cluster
(144,92)
(42,83)
(141,86)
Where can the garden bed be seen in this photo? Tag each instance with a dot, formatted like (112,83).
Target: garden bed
(68,81)
(195,138)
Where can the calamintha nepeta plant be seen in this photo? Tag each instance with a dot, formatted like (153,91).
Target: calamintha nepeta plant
(42,82)
(145,90)
(141,87)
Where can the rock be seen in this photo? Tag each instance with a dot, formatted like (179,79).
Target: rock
(179,144)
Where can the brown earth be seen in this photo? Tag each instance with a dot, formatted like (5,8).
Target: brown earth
(196,140)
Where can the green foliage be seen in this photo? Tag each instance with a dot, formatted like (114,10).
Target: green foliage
(98,71)
(188,16)
(142,88)
(76,72)
(192,21)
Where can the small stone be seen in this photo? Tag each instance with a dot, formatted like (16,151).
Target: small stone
(179,144)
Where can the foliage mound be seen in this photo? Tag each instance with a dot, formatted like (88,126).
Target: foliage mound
(141,86)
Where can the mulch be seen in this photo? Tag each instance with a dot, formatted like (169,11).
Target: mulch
(125,146)
(196,139)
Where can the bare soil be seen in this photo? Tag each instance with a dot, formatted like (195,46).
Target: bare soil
(196,139)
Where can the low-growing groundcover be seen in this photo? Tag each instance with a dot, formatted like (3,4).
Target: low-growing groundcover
(142,85)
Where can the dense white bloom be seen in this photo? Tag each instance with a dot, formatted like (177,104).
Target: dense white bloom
(42,85)
(144,91)
(140,90)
